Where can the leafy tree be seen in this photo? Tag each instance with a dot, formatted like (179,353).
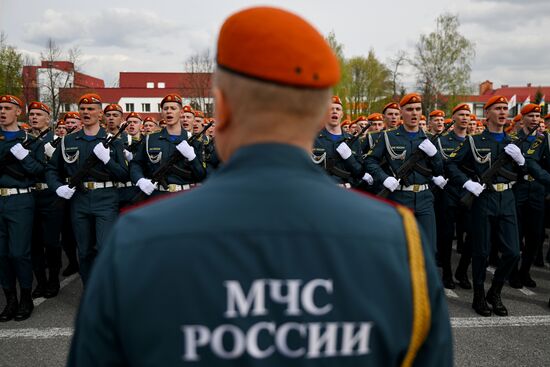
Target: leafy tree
(11,64)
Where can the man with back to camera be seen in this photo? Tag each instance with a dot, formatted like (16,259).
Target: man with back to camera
(278,286)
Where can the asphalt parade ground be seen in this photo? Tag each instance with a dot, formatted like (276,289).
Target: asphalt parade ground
(521,339)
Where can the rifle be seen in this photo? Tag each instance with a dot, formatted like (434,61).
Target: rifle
(412,163)
(159,176)
(496,168)
(56,141)
(8,158)
(76,180)
(352,140)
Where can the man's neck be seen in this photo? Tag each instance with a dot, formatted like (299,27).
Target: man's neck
(459,131)
(334,130)
(494,128)
(39,130)
(174,129)
(113,130)
(11,127)
(91,130)
(411,129)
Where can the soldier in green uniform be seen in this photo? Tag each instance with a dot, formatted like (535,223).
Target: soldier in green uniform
(94,205)
(494,206)
(127,191)
(332,153)
(394,147)
(48,215)
(274,283)
(529,193)
(19,167)
(113,115)
(187,119)
(452,212)
(159,147)
(392,115)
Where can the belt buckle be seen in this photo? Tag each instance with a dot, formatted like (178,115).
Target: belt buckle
(90,185)
(416,188)
(500,187)
(4,192)
(172,188)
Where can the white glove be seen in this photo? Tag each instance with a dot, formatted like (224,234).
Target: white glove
(474,187)
(344,150)
(427,147)
(513,151)
(19,152)
(65,192)
(368,178)
(48,150)
(128,155)
(391,183)
(146,185)
(102,153)
(440,181)
(186,150)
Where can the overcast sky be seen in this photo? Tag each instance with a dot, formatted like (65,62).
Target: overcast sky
(511,36)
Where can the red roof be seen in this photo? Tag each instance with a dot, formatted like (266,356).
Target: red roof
(521,93)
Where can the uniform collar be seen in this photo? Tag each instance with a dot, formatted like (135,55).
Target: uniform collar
(401,131)
(163,134)
(101,134)
(324,133)
(487,135)
(21,134)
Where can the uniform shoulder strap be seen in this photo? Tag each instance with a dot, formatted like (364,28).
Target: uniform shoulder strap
(421,302)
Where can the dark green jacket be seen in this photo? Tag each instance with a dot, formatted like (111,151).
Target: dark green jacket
(31,167)
(267,225)
(72,152)
(446,145)
(155,149)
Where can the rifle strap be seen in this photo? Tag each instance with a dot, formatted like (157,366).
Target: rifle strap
(422,314)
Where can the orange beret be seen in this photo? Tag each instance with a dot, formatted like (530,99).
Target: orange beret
(460,107)
(71,115)
(25,126)
(392,105)
(277,46)
(495,99)
(345,122)
(473,117)
(11,99)
(531,107)
(375,117)
(410,98)
(188,109)
(437,113)
(547,116)
(113,107)
(39,106)
(422,118)
(336,100)
(149,118)
(480,123)
(60,123)
(447,121)
(135,115)
(90,98)
(171,98)
(517,117)
(362,118)
(199,113)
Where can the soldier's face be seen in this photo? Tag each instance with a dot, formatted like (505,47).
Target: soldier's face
(211,131)
(498,114)
(531,120)
(353,129)
(391,117)
(197,125)
(90,113)
(8,114)
(437,124)
(336,113)
(345,128)
(149,127)
(376,126)
(171,112)
(113,119)
(60,131)
(187,119)
(411,115)
(461,119)
(422,125)
(134,126)
(472,127)
(72,124)
(39,119)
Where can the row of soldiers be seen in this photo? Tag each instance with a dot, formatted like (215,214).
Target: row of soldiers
(490,183)
(84,178)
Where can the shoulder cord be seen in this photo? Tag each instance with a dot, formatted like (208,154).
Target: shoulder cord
(157,158)
(477,156)
(390,150)
(68,159)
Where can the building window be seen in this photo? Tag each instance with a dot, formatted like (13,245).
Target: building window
(150,84)
(129,107)
(161,85)
(67,107)
(209,108)
(146,107)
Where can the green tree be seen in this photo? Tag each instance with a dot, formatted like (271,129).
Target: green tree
(11,64)
(443,62)
(338,48)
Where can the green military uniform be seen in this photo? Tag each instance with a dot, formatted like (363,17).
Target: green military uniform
(127,191)
(211,158)
(16,222)
(494,208)
(48,222)
(394,147)
(451,214)
(156,149)
(94,206)
(270,283)
(344,171)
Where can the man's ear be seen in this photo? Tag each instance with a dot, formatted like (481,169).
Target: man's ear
(221,110)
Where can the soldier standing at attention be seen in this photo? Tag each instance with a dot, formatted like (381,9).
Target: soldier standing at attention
(48,215)
(16,210)
(395,146)
(494,207)
(113,118)
(127,191)
(187,119)
(392,115)
(160,146)
(277,287)
(94,207)
(331,151)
